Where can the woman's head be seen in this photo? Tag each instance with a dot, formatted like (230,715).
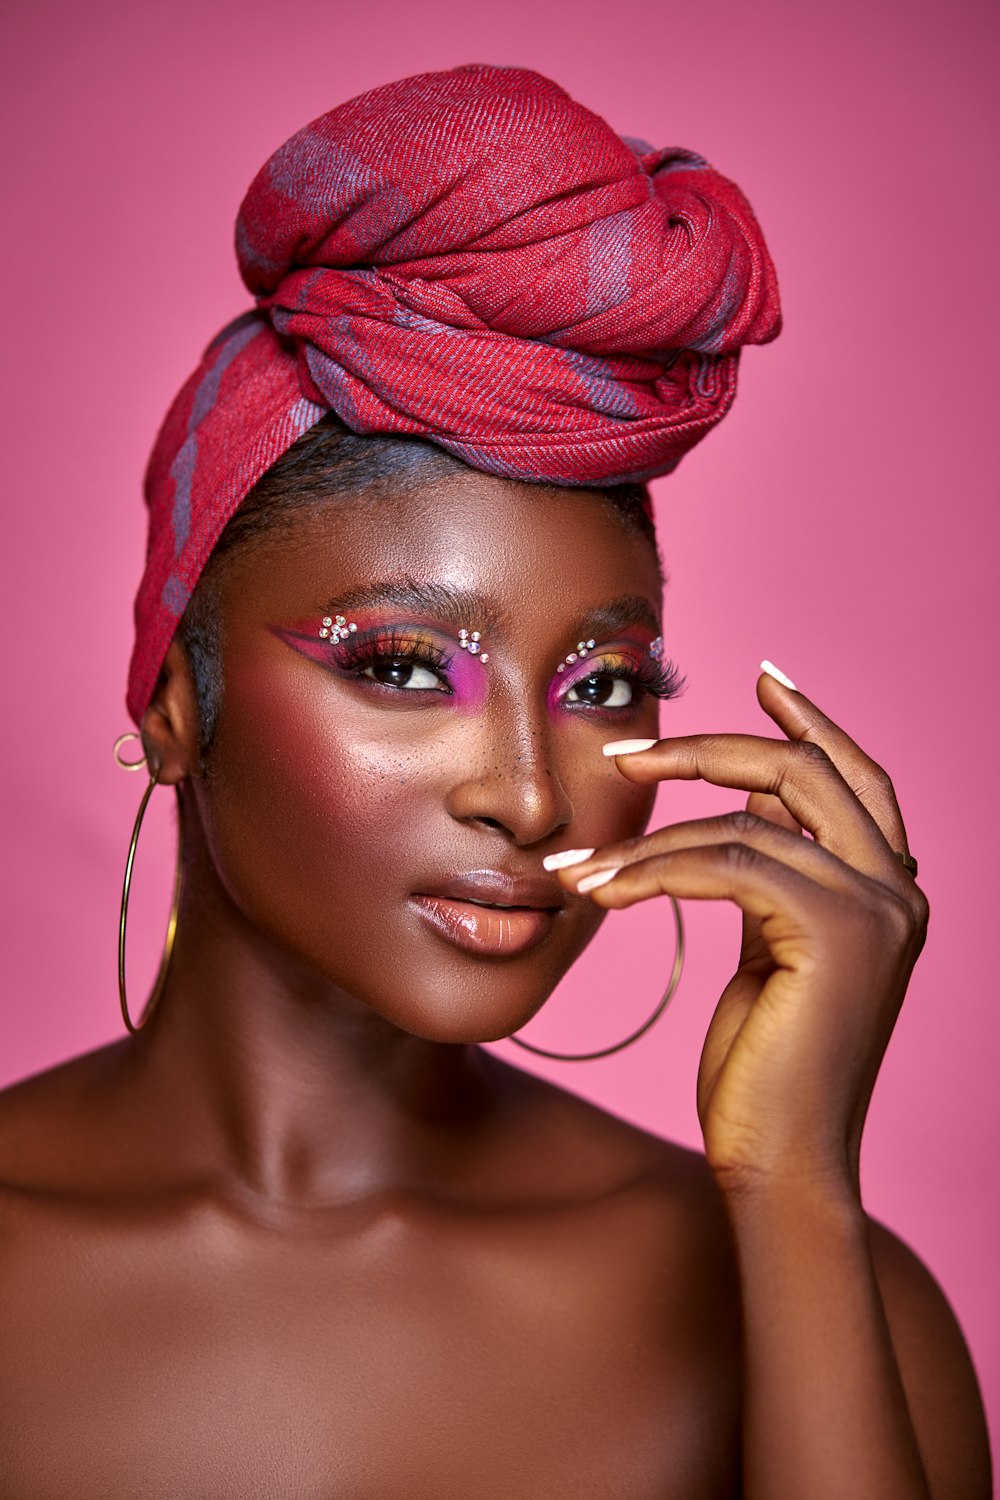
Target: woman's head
(352,784)
(401,583)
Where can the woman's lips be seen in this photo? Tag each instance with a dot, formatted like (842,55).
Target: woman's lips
(498,931)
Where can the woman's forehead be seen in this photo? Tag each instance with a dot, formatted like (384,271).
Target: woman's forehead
(468,539)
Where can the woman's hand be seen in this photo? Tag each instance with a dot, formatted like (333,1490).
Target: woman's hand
(832,926)
(856,1379)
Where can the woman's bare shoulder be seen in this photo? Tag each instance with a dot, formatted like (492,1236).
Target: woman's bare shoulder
(640,1223)
(939,1377)
(46,1118)
(580,1143)
(69,1134)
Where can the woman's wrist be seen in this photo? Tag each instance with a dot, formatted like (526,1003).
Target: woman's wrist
(815,1332)
(800,1191)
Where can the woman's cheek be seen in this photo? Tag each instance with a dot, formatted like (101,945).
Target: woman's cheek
(304,812)
(606,807)
(624,811)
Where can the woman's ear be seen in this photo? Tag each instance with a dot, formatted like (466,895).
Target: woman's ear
(170,728)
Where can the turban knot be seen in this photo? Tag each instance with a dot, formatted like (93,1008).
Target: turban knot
(472,258)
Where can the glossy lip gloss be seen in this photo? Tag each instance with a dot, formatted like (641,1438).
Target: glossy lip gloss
(491,912)
(491,931)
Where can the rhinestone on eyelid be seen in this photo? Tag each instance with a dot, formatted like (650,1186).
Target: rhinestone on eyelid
(656,649)
(471,641)
(336,627)
(583,648)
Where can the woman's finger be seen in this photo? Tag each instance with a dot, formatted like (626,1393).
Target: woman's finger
(773,810)
(802,922)
(787,901)
(802,721)
(763,805)
(806,856)
(799,774)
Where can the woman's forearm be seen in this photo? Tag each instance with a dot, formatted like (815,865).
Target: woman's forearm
(825,1414)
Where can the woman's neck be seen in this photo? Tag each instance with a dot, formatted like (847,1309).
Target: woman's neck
(259,1073)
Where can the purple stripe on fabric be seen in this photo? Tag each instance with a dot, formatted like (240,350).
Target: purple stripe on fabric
(731,297)
(332,376)
(636,146)
(327,181)
(182,472)
(302,415)
(249,254)
(321,176)
(183,467)
(405,317)
(680,160)
(609,263)
(175,596)
(602,390)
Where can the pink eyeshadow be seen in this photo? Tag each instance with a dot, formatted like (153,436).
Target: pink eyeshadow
(465,672)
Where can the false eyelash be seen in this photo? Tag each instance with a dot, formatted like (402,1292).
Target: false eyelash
(660,679)
(371,646)
(665,680)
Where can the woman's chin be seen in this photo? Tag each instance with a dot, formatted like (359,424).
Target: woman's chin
(465,1022)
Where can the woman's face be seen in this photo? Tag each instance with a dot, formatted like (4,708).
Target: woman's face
(380,804)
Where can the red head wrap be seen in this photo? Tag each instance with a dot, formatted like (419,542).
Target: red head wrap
(473,258)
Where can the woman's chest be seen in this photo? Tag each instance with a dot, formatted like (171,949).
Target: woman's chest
(393,1363)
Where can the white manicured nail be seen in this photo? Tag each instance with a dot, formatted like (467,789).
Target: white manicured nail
(628,747)
(565,858)
(591,882)
(778,674)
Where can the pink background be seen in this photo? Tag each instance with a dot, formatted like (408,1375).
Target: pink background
(837,522)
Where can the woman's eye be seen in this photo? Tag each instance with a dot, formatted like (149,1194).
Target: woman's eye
(602,691)
(398,672)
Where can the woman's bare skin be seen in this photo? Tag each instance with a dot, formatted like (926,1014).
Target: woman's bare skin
(302,1237)
(549,1309)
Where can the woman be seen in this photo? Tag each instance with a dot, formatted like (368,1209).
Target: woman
(399,650)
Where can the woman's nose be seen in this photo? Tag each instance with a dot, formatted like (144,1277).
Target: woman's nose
(513,784)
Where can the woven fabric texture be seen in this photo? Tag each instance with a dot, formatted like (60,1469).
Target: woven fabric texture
(473,258)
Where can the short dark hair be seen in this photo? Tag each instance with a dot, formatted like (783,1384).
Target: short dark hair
(327,460)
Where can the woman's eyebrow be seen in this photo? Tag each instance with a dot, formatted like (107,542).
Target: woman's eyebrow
(459,607)
(452,606)
(618,614)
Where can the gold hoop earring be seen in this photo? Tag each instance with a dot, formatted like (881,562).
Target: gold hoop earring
(634,1036)
(168,946)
